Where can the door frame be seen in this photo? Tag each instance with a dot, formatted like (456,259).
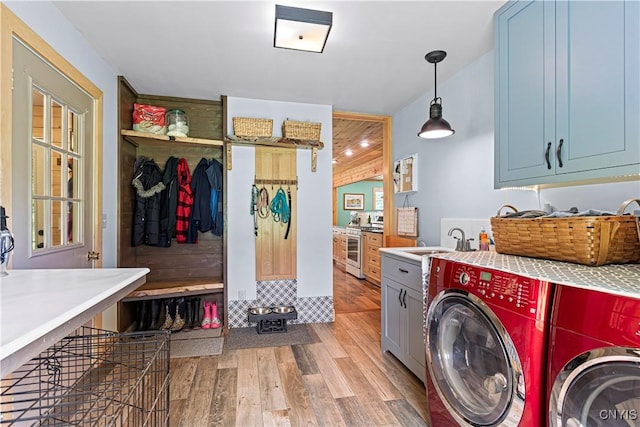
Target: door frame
(11,26)
(387,192)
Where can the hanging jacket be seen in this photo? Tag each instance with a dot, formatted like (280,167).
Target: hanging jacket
(201,212)
(147,180)
(185,201)
(215,176)
(169,202)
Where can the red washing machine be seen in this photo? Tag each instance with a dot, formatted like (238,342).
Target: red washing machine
(486,346)
(594,359)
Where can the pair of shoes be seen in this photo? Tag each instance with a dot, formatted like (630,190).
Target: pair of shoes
(192,319)
(210,319)
(179,319)
(174,314)
(169,313)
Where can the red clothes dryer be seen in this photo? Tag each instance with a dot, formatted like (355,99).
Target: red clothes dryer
(594,359)
(486,346)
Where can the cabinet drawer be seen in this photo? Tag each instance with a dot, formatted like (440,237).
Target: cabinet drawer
(373,273)
(373,260)
(405,272)
(374,239)
(373,251)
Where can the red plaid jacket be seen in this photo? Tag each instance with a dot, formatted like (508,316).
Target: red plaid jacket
(185,201)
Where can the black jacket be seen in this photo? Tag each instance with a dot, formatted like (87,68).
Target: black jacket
(201,211)
(147,180)
(215,176)
(169,202)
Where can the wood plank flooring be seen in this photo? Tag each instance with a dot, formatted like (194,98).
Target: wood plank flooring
(344,380)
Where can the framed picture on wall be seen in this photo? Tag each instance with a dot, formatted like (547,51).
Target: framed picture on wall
(353,202)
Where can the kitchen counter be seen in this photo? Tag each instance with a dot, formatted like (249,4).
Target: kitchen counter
(616,279)
(40,307)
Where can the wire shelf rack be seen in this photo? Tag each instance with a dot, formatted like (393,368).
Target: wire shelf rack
(94,377)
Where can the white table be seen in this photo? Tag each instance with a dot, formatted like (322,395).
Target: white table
(40,307)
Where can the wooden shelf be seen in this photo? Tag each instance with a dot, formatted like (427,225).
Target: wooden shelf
(153,290)
(276,142)
(140,138)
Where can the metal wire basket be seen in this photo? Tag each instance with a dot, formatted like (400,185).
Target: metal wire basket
(95,378)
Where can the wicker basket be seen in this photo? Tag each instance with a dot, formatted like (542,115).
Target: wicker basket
(301,130)
(588,240)
(246,126)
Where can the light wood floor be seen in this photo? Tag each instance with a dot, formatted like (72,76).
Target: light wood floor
(344,380)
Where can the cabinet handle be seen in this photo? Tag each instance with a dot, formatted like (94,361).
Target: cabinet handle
(402,270)
(404,298)
(558,151)
(546,155)
(400,297)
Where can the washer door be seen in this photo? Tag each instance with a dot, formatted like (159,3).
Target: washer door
(598,388)
(472,361)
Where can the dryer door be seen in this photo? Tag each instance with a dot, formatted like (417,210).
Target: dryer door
(598,388)
(472,361)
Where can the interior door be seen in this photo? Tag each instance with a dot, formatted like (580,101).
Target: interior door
(52,157)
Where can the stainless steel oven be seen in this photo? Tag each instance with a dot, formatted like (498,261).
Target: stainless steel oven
(354,252)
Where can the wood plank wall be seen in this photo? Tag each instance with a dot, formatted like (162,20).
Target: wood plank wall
(276,257)
(178,262)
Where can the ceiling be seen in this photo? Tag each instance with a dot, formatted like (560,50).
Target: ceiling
(373,61)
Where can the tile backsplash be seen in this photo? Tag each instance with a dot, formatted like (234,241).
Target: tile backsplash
(471,227)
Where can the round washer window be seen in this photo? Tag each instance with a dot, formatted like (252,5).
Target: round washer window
(469,362)
(604,394)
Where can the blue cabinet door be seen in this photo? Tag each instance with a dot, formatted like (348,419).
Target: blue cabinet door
(597,74)
(567,91)
(525,92)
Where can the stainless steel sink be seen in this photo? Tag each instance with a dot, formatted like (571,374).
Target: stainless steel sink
(426,252)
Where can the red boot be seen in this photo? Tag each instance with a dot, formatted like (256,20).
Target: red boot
(206,320)
(215,321)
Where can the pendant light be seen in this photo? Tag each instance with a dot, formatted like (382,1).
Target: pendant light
(436,126)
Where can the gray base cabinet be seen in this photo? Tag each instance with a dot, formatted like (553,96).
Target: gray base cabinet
(401,287)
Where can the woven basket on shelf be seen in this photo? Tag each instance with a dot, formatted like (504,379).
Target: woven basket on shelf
(301,130)
(588,240)
(246,126)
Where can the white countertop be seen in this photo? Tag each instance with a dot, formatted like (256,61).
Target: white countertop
(616,279)
(40,307)
(415,253)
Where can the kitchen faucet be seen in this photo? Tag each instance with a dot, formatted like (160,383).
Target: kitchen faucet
(463,243)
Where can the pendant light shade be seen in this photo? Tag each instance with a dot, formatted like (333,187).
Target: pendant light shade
(436,126)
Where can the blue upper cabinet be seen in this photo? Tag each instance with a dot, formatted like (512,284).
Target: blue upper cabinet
(567,91)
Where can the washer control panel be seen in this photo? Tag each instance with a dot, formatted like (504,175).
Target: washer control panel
(507,290)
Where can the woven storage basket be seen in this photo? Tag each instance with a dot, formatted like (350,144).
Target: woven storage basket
(301,130)
(246,126)
(589,240)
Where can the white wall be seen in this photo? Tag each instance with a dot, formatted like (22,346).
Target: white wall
(314,216)
(456,173)
(47,21)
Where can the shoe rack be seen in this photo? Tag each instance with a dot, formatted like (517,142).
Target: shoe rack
(184,271)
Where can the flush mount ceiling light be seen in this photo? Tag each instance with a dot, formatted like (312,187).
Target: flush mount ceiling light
(301,29)
(436,126)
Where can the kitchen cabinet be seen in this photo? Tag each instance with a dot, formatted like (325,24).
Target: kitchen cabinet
(402,312)
(179,270)
(371,267)
(340,247)
(567,96)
